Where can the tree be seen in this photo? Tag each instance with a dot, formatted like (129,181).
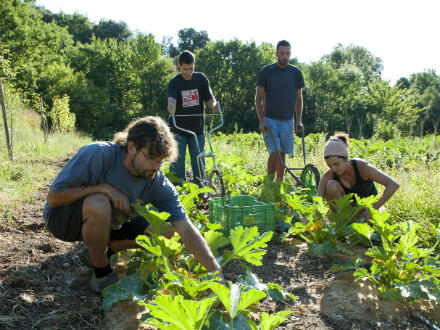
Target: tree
(423,87)
(190,39)
(403,83)
(232,68)
(392,106)
(32,43)
(168,47)
(78,25)
(153,73)
(351,96)
(318,95)
(110,29)
(370,65)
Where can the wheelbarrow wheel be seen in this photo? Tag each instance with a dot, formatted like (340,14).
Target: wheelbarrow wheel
(310,177)
(216,183)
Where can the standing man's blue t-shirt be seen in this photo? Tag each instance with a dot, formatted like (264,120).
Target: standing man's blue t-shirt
(280,87)
(103,162)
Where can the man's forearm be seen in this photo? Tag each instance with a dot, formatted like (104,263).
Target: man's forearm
(171,105)
(196,244)
(71,195)
(298,111)
(260,113)
(299,107)
(260,108)
(213,105)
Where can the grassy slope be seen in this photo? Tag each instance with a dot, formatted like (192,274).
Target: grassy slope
(34,159)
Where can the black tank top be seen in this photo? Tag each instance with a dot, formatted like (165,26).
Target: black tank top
(361,187)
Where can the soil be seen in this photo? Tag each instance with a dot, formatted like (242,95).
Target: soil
(44,285)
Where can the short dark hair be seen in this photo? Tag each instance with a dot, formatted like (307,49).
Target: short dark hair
(283,43)
(186,57)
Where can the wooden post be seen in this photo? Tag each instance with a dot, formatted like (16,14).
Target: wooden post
(5,121)
(45,126)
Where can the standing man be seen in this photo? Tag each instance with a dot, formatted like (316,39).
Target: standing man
(278,96)
(90,198)
(186,93)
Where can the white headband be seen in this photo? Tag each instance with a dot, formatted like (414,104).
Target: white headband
(335,147)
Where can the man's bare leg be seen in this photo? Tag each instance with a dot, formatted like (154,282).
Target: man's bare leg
(280,167)
(272,163)
(96,227)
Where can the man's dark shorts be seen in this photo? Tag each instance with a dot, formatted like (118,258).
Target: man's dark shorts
(65,223)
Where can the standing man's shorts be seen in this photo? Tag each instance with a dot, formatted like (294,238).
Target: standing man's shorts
(65,223)
(283,134)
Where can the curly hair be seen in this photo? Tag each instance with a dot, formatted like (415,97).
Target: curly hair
(150,132)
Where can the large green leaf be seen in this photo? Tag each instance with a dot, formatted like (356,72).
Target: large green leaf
(277,294)
(127,287)
(234,300)
(364,229)
(215,240)
(180,313)
(269,322)
(168,246)
(248,245)
(426,289)
(249,298)
(390,294)
(155,219)
(241,323)
(322,249)
(191,286)
(216,321)
(145,242)
(222,293)
(251,281)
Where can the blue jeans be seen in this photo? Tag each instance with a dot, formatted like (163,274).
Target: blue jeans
(178,167)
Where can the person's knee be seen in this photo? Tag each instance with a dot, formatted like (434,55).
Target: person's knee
(97,207)
(334,190)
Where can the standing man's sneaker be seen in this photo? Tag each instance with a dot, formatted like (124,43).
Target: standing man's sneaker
(84,256)
(99,284)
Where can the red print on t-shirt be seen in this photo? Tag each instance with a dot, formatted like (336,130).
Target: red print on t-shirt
(190,98)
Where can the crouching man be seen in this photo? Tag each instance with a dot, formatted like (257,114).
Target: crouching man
(90,198)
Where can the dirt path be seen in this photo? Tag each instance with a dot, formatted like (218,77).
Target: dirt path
(44,285)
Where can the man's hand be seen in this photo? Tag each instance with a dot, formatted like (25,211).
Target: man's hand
(118,198)
(215,109)
(221,277)
(299,127)
(263,126)
(171,109)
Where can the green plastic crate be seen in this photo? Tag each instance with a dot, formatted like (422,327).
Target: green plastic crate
(234,211)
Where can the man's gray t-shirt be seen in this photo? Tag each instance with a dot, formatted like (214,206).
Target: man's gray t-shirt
(280,86)
(103,162)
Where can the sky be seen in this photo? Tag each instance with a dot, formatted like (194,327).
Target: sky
(404,34)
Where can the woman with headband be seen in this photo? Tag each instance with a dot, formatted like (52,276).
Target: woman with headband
(349,175)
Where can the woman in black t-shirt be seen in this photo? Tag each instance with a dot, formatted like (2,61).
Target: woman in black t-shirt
(348,175)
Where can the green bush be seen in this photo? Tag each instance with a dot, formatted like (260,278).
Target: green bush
(62,120)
